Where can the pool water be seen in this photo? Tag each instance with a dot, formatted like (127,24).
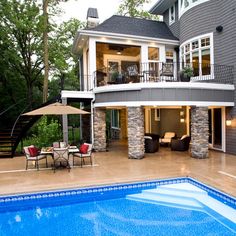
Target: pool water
(178,208)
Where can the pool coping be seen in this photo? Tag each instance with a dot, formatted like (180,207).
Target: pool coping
(224,197)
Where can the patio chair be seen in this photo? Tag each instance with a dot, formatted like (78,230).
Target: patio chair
(61,156)
(85,151)
(32,154)
(133,74)
(181,144)
(151,142)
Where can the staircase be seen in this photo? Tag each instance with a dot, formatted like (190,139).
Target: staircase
(11,137)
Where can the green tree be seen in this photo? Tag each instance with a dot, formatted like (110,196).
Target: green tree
(134,8)
(64,69)
(21,45)
(48,5)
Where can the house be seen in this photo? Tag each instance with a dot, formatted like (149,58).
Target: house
(132,71)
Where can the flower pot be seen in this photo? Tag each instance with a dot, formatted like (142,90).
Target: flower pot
(184,77)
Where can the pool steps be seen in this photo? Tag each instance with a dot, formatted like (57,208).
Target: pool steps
(185,195)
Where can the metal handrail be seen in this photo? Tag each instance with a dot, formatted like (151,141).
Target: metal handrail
(13,105)
(163,71)
(13,128)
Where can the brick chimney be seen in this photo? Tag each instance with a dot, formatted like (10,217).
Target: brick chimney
(92,17)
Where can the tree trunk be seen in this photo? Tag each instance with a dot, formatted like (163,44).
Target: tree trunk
(45,43)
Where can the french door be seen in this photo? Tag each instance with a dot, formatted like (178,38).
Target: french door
(216,128)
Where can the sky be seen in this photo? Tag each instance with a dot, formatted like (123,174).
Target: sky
(106,8)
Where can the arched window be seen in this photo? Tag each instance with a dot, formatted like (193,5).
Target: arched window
(185,5)
(198,54)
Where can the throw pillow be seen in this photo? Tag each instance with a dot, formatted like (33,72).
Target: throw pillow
(33,151)
(83,148)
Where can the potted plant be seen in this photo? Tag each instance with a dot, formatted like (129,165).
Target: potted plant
(186,74)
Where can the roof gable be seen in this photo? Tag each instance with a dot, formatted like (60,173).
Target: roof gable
(135,26)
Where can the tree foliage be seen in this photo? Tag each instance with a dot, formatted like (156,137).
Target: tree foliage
(134,8)
(22,50)
(63,62)
(21,45)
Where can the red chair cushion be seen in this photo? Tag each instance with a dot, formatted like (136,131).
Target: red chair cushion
(83,148)
(33,151)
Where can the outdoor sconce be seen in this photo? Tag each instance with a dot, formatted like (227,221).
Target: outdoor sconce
(219,28)
(182,120)
(228,122)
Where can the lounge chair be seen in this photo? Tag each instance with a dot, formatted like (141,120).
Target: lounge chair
(85,152)
(167,138)
(32,154)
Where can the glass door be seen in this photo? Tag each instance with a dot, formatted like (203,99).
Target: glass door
(215,128)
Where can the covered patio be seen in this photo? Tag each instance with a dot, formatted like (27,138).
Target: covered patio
(114,167)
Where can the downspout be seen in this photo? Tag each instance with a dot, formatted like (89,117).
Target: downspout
(80,82)
(92,122)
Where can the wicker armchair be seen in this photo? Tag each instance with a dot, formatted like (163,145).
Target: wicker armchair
(151,142)
(180,144)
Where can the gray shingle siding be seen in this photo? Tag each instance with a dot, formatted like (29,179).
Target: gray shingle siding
(203,19)
(175,27)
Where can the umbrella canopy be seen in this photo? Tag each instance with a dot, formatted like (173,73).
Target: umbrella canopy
(56,108)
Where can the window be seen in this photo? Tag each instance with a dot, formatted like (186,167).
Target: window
(185,5)
(157,114)
(169,56)
(115,118)
(172,15)
(197,54)
(153,54)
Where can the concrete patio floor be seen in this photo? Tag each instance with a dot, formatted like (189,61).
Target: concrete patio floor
(218,171)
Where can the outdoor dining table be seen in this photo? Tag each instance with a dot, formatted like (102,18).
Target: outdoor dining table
(59,154)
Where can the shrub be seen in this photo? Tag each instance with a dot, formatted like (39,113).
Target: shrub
(47,132)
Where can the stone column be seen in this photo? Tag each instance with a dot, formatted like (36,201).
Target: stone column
(135,132)
(199,132)
(99,127)
(123,124)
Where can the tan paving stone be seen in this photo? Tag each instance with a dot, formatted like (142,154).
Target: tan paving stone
(219,171)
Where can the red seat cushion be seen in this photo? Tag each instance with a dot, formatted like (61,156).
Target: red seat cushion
(33,151)
(83,148)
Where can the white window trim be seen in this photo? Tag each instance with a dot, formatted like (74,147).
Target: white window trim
(211,47)
(209,35)
(191,5)
(171,21)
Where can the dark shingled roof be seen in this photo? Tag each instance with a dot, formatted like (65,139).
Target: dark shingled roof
(135,26)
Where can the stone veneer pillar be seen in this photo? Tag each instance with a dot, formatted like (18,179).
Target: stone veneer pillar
(135,132)
(99,127)
(199,132)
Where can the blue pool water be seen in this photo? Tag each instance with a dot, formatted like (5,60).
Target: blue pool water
(180,206)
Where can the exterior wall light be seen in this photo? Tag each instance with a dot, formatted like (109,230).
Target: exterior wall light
(182,120)
(228,122)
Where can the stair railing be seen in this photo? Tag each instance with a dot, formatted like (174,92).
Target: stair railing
(13,105)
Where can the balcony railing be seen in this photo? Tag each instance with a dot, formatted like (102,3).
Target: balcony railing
(164,72)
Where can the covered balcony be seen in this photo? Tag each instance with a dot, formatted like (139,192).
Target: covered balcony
(155,72)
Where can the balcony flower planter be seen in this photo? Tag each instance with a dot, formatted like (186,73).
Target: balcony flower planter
(186,74)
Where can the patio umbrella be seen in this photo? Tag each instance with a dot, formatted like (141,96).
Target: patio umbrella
(56,108)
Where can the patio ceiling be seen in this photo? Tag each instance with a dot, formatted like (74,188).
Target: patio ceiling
(113,49)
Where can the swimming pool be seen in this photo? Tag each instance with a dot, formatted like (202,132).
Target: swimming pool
(180,206)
